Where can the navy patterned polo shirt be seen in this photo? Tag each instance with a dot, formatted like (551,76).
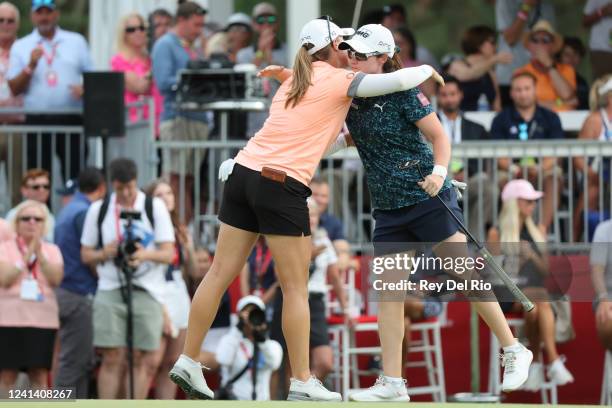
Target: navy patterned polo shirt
(384,131)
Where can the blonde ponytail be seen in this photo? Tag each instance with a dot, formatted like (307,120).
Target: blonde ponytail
(302,73)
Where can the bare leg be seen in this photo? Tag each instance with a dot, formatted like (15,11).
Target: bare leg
(532,331)
(233,248)
(164,387)
(111,372)
(152,361)
(141,375)
(490,312)
(391,333)
(547,330)
(39,378)
(322,361)
(291,257)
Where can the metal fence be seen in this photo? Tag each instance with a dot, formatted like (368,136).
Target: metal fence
(349,198)
(64,150)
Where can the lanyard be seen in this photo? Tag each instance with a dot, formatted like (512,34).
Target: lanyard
(30,263)
(117,222)
(49,57)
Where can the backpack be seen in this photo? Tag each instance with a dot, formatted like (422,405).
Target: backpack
(104,210)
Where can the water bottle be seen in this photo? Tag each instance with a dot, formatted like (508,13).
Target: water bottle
(483,103)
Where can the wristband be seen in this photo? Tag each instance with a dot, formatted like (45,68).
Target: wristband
(559,102)
(602,296)
(259,54)
(439,170)
(521,15)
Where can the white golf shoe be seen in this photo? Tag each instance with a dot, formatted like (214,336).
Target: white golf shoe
(382,391)
(311,390)
(516,361)
(187,374)
(558,373)
(536,377)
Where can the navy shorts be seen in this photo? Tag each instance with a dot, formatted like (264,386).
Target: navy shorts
(427,221)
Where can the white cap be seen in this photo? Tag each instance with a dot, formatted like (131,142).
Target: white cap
(250,300)
(264,9)
(316,32)
(240,19)
(371,38)
(605,88)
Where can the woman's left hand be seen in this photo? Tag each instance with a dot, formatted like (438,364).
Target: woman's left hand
(432,184)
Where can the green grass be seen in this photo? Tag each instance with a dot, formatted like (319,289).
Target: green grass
(240,404)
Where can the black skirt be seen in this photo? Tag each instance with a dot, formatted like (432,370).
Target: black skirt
(22,348)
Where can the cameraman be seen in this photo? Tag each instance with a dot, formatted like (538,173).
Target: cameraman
(236,349)
(152,249)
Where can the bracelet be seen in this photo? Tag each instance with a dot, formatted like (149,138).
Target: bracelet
(521,15)
(602,296)
(439,170)
(525,7)
(259,54)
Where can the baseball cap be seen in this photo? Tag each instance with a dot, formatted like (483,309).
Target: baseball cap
(317,32)
(250,300)
(69,188)
(38,4)
(371,38)
(520,189)
(262,9)
(239,19)
(605,88)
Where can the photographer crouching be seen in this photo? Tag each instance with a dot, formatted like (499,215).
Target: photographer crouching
(247,356)
(129,239)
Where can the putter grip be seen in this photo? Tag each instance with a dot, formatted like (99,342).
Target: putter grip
(518,294)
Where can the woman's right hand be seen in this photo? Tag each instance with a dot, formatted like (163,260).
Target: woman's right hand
(271,71)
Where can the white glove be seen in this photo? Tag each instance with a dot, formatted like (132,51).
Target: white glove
(225,169)
(459,187)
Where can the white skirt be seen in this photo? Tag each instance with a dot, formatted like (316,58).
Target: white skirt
(177,300)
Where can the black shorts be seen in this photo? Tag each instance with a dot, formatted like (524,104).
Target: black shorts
(255,203)
(22,348)
(427,221)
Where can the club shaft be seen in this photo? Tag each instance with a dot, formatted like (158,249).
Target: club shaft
(518,294)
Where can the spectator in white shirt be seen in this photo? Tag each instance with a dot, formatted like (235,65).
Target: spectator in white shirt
(236,351)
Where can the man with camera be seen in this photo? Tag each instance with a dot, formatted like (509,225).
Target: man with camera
(129,239)
(247,356)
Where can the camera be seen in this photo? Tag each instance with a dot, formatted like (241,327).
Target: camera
(255,320)
(128,246)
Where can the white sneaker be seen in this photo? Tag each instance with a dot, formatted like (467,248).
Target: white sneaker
(536,377)
(558,373)
(187,374)
(382,391)
(516,363)
(311,390)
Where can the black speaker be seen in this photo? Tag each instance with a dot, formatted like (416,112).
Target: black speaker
(103,104)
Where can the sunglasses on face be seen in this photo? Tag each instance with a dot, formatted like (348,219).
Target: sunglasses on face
(541,40)
(360,56)
(39,186)
(269,19)
(30,218)
(7,20)
(131,30)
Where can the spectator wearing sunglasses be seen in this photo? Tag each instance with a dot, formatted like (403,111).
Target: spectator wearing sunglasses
(526,120)
(46,67)
(556,82)
(266,50)
(512,19)
(36,185)
(597,16)
(30,270)
(133,60)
